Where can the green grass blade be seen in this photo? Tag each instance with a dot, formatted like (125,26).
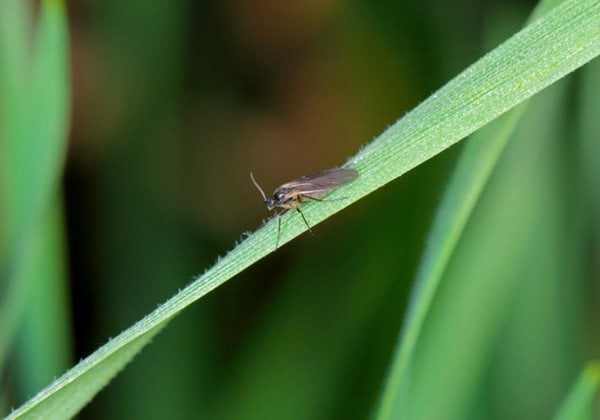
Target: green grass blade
(12,70)
(579,404)
(33,143)
(13,62)
(588,125)
(44,337)
(94,374)
(35,110)
(468,181)
(494,267)
(547,50)
(470,177)
(543,325)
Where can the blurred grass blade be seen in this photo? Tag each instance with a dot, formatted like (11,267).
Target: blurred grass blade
(588,125)
(477,162)
(511,244)
(469,179)
(13,63)
(44,337)
(12,70)
(579,404)
(35,111)
(544,52)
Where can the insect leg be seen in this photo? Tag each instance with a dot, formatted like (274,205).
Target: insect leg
(278,230)
(304,218)
(279,226)
(307,197)
(320,200)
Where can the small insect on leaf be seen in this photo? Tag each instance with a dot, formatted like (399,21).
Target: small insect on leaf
(310,187)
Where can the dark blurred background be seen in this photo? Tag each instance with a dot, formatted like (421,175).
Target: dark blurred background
(174,103)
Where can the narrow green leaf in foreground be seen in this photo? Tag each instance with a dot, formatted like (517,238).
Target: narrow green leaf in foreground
(477,162)
(579,404)
(545,51)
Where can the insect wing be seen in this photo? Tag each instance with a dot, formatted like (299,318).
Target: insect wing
(320,183)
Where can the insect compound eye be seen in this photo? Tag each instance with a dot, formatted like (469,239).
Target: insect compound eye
(278,196)
(270,203)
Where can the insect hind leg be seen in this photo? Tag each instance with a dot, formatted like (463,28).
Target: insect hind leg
(321,200)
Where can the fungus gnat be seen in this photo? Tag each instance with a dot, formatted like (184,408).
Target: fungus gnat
(310,187)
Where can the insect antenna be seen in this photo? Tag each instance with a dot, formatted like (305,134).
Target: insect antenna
(258,186)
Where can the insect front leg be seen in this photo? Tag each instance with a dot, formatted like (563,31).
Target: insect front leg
(305,222)
(281,213)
